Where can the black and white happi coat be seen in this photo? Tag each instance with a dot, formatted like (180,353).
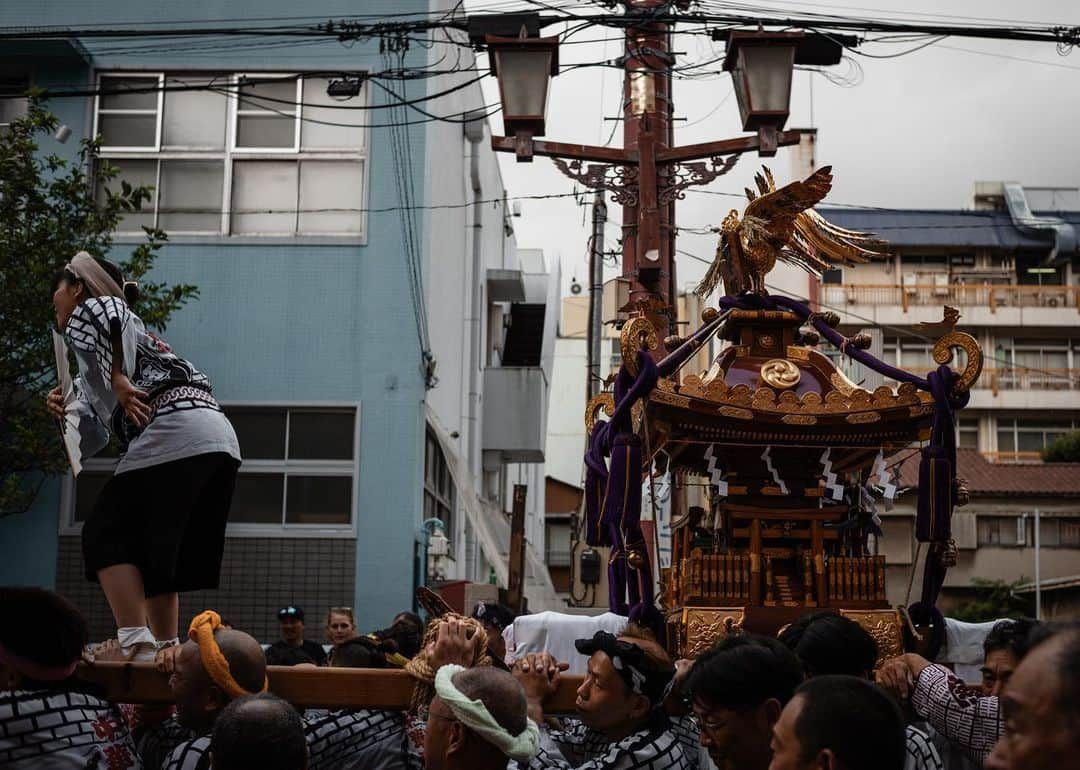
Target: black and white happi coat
(57,730)
(364,739)
(193,754)
(576,747)
(174,387)
(156,742)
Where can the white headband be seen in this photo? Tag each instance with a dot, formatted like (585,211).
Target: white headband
(475,716)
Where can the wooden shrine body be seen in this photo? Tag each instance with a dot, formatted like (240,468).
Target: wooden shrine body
(772,548)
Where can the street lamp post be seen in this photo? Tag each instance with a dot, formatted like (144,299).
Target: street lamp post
(648,173)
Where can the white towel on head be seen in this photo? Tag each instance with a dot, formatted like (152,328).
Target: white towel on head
(555,633)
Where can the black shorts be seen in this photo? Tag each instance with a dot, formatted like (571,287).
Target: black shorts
(168,520)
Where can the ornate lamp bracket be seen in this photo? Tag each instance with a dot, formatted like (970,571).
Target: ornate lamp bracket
(674,178)
(620,180)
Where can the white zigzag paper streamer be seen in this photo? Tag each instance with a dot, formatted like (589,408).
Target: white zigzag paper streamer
(834,489)
(888,489)
(776,476)
(716,473)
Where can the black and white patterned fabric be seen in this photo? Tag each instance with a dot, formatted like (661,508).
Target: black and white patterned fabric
(962,714)
(156,742)
(921,752)
(193,754)
(49,730)
(579,748)
(148,362)
(688,732)
(365,739)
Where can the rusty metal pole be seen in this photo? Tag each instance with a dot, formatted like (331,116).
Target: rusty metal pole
(647,245)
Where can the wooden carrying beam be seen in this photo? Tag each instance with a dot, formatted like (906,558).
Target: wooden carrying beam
(333,688)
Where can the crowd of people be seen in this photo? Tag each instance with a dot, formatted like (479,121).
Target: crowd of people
(815,696)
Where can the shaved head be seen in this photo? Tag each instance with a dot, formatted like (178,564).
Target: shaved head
(245,656)
(500,693)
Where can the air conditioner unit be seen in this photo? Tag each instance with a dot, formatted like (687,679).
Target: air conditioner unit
(910,286)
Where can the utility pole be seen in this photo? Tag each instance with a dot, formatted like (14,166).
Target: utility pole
(594,333)
(647,113)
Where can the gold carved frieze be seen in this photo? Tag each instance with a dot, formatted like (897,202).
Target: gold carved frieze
(885,627)
(798,353)
(736,413)
(704,626)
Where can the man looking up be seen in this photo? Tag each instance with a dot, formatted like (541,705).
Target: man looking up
(478,720)
(214,667)
(839,723)
(738,689)
(621,723)
(1041,706)
(283,651)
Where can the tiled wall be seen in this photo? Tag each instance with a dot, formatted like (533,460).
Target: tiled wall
(258,576)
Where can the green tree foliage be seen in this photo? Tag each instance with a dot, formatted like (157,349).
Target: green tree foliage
(994,599)
(1064,449)
(48,212)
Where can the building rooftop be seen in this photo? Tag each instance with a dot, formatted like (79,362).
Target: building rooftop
(987,479)
(943,227)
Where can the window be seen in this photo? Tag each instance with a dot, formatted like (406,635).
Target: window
(1000,530)
(298,472)
(833,276)
(13,101)
(439,490)
(557,544)
(967,433)
(235,154)
(1031,436)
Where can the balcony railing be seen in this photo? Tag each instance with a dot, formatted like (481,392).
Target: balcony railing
(1013,457)
(959,295)
(1021,378)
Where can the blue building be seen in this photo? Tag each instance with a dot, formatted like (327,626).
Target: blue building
(380,344)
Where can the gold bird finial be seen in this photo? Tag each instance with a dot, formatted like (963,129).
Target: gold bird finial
(780,224)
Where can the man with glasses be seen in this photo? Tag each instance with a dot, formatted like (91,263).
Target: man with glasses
(737,690)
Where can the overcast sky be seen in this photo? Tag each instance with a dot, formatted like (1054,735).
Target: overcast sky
(916,131)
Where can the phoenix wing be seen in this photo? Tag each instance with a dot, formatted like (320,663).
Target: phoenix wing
(778,209)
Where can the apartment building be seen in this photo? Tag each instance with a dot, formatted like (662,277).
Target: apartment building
(1010,265)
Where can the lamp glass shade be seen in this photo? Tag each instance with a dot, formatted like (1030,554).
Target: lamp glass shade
(524,76)
(762,80)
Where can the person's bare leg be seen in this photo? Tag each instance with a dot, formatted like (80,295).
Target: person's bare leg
(162,611)
(123,587)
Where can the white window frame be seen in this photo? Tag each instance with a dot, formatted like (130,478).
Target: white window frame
(160,108)
(235,113)
(336,468)
(231,154)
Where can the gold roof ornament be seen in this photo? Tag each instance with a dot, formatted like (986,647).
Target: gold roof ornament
(780,224)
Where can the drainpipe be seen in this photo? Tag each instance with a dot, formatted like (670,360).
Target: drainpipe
(474,132)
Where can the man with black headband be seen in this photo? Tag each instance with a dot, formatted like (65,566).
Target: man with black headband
(621,723)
